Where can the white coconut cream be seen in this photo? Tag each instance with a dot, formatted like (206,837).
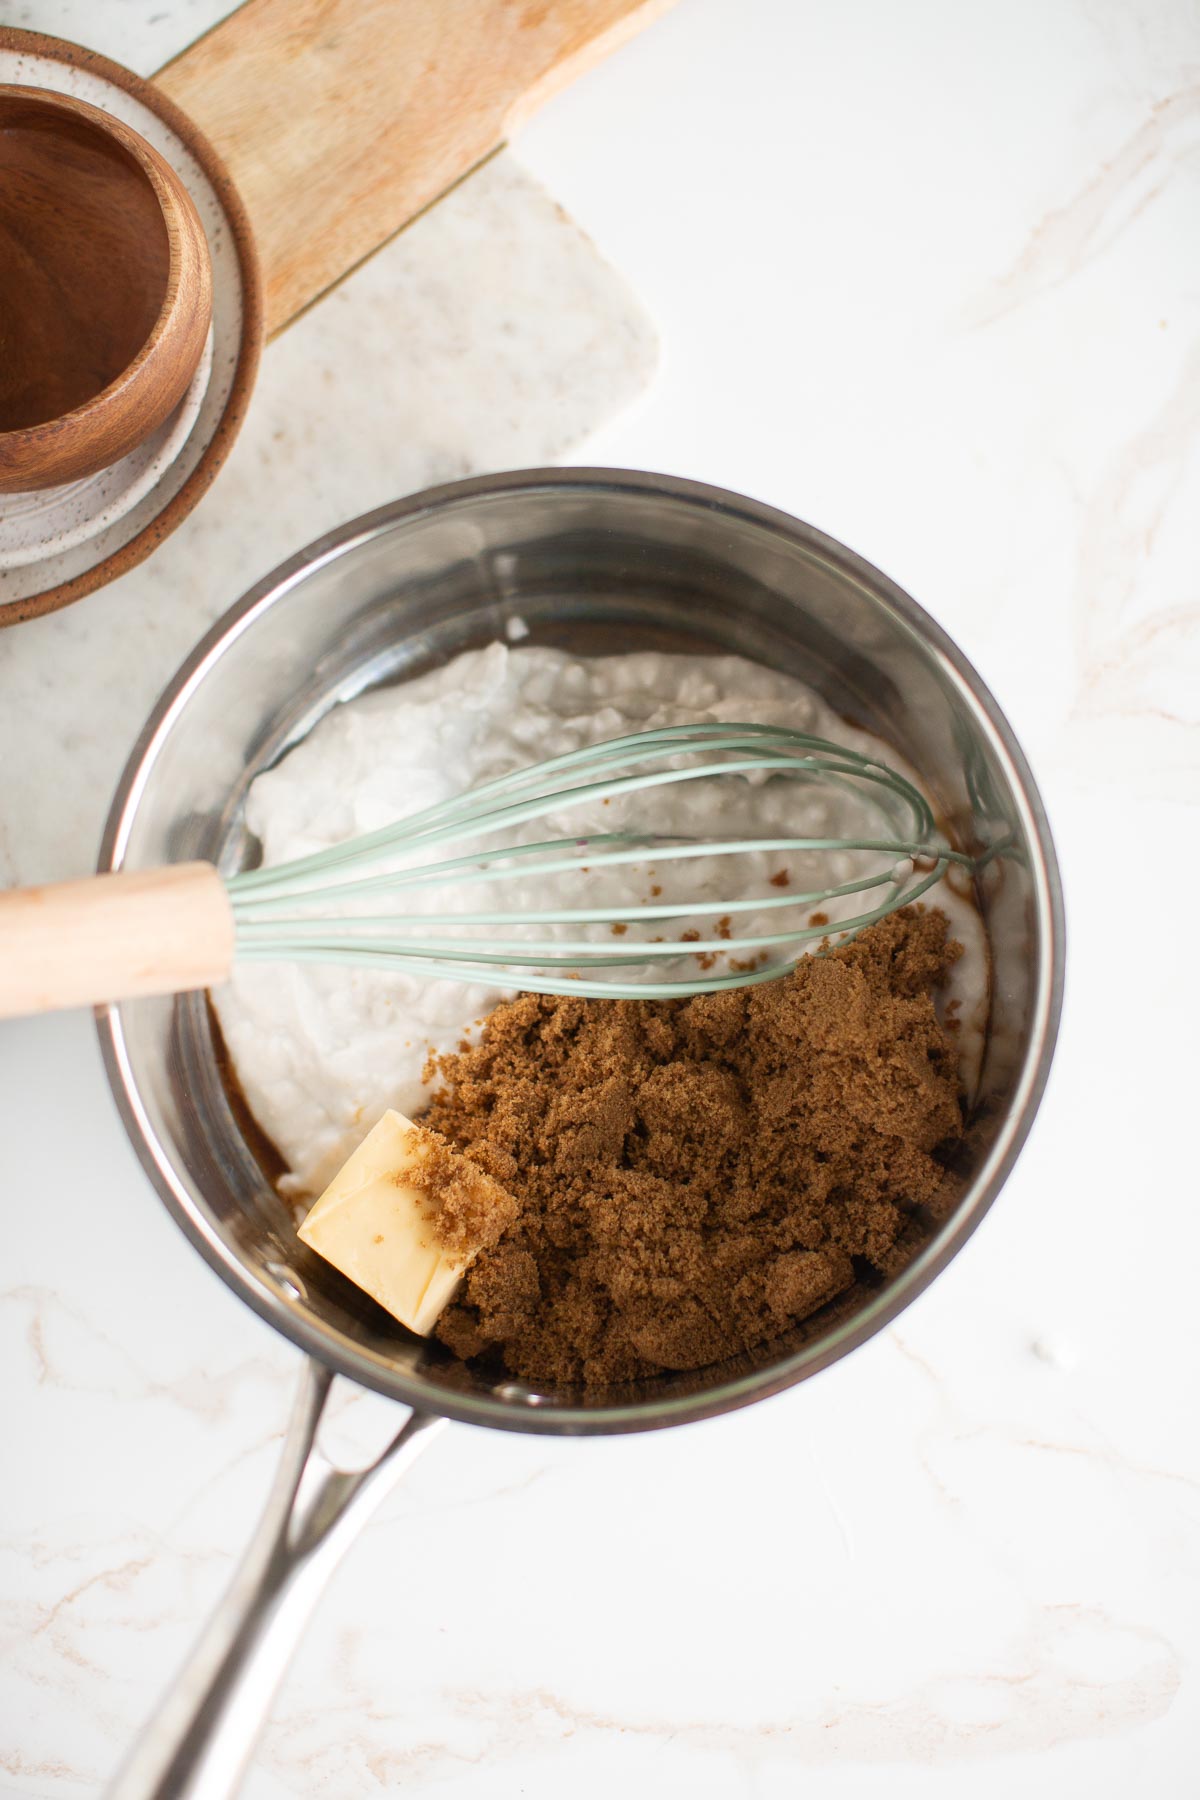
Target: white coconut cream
(323,1051)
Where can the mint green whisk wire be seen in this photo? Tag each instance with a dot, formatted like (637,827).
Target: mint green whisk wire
(273,905)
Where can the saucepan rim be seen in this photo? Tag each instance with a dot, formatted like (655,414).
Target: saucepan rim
(636,1415)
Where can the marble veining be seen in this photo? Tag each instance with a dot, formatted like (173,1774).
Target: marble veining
(929,280)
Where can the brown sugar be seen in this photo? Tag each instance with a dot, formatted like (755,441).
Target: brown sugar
(467,1209)
(695,1176)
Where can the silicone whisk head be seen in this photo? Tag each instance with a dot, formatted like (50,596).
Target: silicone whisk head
(362,901)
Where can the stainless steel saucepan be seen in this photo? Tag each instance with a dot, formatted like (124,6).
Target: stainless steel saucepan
(594,561)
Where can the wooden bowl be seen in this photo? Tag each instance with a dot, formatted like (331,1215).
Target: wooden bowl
(105,289)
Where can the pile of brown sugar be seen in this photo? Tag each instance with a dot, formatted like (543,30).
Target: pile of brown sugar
(695,1176)
(467,1210)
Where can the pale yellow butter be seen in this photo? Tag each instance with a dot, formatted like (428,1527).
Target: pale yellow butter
(377,1228)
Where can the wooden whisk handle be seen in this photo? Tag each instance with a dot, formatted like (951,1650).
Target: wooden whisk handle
(112,937)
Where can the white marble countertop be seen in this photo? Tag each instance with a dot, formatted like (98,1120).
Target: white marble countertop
(927,277)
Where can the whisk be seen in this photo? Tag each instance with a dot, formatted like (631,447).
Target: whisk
(182,927)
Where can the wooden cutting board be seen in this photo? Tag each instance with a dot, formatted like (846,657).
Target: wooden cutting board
(340,120)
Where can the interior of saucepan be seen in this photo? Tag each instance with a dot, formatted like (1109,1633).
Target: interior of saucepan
(594,562)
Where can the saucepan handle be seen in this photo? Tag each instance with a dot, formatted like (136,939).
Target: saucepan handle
(198,1743)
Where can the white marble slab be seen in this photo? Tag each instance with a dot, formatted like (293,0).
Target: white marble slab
(142,34)
(926,276)
(489,335)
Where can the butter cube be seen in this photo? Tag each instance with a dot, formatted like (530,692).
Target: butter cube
(404,1217)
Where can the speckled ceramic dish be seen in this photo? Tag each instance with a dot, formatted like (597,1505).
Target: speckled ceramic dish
(116,541)
(37,526)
